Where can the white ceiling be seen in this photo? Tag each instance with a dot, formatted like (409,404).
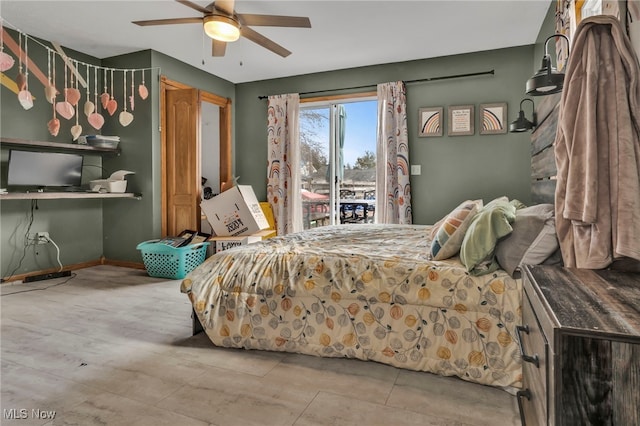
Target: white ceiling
(343,34)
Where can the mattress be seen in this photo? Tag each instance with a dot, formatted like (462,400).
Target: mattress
(364,291)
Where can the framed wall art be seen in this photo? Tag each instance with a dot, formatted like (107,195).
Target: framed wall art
(461,120)
(430,121)
(493,118)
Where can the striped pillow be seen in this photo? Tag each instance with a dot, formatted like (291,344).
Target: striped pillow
(448,238)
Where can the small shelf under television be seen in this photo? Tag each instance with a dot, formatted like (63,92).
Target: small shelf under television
(57,195)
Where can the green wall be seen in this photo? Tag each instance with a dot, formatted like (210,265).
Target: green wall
(453,168)
(127,224)
(75,225)
(85,230)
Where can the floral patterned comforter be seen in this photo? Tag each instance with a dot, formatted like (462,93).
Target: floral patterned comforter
(362,291)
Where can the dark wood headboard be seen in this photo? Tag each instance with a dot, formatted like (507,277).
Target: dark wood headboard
(543,162)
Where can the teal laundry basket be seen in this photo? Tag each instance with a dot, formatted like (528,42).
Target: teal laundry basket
(164,261)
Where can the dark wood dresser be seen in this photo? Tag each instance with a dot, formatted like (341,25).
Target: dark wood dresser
(580,341)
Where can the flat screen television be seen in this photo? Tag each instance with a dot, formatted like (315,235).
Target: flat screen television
(43,169)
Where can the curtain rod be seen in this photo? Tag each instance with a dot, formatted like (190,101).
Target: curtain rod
(420,80)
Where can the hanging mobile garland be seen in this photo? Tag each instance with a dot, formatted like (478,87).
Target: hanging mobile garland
(88,105)
(95,119)
(6,61)
(142,89)
(76,130)
(50,90)
(133,96)
(70,106)
(54,124)
(72,93)
(24,96)
(64,108)
(104,97)
(125,117)
(20,78)
(112,105)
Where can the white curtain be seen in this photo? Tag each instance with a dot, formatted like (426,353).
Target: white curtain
(393,190)
(283,171)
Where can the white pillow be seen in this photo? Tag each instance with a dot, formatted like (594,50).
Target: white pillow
(532,240)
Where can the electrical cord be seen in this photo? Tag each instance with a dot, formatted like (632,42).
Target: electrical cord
(49,240)
(73,275)
(34,206)
(95,165)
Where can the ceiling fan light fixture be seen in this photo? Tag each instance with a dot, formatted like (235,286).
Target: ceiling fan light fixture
(223,28)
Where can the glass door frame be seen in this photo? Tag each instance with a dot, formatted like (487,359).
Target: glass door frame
(332,102)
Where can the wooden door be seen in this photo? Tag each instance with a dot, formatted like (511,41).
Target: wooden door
(169,118)
(182,160)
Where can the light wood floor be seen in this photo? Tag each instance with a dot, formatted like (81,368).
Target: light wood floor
(112,346)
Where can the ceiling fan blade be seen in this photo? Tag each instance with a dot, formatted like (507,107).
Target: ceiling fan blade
(194,6)
(168,21)
(218,47)
(264,42)
(225,6)
(274,20)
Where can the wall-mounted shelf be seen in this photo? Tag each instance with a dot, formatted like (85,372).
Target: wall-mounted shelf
(58,146)
(66,195)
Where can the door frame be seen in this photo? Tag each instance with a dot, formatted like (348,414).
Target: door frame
(224,104)
(330,101)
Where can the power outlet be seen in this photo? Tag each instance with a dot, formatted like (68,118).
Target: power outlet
(38,238)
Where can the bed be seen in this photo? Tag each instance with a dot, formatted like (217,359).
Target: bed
(366,291)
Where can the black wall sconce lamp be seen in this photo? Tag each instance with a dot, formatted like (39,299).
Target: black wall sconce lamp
(547,80)
(521,124)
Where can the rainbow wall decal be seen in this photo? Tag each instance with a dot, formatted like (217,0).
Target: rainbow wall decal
(492,119)
(432,123)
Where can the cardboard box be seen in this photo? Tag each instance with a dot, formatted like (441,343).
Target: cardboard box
(268,213)
(225,243)
(235,212)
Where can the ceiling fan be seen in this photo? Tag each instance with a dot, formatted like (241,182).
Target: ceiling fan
(223,24)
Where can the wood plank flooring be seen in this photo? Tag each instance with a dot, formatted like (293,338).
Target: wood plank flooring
(113,346)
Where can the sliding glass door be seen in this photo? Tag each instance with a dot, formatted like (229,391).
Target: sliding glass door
(338,161)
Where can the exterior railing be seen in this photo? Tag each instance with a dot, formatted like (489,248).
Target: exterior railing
(318,212)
